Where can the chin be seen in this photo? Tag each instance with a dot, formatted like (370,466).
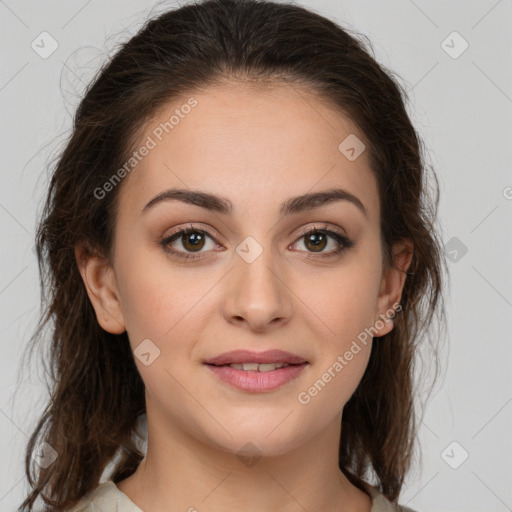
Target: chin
(255,441)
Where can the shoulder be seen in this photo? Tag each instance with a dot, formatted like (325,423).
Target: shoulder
(381,504)
(108,498)
(102,497)
(105,497)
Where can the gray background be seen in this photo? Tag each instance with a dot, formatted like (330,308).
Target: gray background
(460,102)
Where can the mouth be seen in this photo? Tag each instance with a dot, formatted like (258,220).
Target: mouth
(257,372)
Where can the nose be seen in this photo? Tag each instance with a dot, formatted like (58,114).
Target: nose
(257,295)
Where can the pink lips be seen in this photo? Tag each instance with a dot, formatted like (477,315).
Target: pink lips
(256,381)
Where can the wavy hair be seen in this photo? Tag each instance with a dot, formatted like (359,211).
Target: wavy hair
(96,392)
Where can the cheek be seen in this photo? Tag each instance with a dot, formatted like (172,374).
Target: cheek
(156,294)
(342,307)
(342,300)
(161,304)
(343,349)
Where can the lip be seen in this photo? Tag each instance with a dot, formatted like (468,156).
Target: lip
(256,381)
(246,356)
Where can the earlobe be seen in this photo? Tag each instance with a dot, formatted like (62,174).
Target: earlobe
(392,285)
(99,281)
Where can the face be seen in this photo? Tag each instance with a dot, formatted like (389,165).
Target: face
(247,275)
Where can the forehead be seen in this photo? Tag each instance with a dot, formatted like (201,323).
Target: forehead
(256,145)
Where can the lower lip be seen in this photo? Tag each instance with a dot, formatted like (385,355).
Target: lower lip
(257,382)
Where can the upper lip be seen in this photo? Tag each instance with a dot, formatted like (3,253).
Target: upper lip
(246,356)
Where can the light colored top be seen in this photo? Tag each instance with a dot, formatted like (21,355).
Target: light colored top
(106,497)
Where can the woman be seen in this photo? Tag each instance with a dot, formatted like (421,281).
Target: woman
(238,248)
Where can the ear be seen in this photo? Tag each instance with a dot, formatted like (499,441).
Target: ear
(101,286)
(392,284)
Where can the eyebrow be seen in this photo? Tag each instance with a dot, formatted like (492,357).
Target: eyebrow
(223,205)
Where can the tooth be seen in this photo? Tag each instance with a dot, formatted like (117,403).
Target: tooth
(268,367)
(262,367)
(250,366)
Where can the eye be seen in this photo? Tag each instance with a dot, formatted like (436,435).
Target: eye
(315,240)
(185,242)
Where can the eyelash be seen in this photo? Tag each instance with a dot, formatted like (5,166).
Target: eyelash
(344,242)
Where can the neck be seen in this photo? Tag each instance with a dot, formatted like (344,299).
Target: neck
(181,472)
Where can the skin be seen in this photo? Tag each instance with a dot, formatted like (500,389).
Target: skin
(256,146)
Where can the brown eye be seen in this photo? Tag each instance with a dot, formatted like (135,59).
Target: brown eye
(316,241)
(188,243)
(193,240)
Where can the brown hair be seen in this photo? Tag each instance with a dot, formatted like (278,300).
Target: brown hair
(96,391)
